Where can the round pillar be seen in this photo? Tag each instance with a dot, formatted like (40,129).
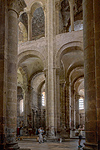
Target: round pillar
(29,26)
(57,101)
(67,108)
(71,14)
(14,8)
(3,71)
(77,110)
(72,107)
(62,105)
(97,56)
(51,78)
(89,76)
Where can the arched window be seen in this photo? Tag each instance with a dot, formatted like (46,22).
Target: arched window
(81,103)
(21,107)
(43,99)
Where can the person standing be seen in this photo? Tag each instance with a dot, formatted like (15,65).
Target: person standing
(40,131)
(80,136)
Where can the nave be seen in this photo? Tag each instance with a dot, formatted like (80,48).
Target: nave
(69,144)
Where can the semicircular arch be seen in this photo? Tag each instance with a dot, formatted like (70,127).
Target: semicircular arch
(67,48)
(36,4)
(77,65)
(77,78)
(30,53)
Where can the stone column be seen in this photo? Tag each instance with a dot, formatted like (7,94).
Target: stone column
(74,112)
(67,109)
(58,7)
(29,105)
(46,92)
(39,108)
(77,110)
(57,100)
(25,105)
(89,76)
(71,14)
(72,107)
(3,70)
(51,67)
(97,61)
(62,103)
(29,26)
(14,8)
(35,123)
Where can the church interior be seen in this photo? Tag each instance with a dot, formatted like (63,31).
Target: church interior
(49,70)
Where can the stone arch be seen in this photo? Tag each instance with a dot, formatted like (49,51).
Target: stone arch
(67,48)
(24,75)
(35,84)
(79,64)
(76,69)
(34,75)
(80,71)
(81,86)
(36,4)
(40,86)
(23,18)
(19,90)
(38,77)
(30,53)
(71,70)
(78,78)
(62,71)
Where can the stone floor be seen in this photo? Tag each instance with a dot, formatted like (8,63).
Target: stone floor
(70,144)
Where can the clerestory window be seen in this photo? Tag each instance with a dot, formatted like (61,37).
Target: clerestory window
(81,103)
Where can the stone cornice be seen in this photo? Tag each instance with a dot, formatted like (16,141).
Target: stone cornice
(16,5)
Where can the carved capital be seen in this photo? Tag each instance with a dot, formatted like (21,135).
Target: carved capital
(16,5)
(29,14)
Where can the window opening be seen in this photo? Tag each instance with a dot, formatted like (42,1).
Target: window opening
(81,103)
(43,99)
(21,107)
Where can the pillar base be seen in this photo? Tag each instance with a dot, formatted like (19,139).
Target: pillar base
(90,146)
(12,146)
